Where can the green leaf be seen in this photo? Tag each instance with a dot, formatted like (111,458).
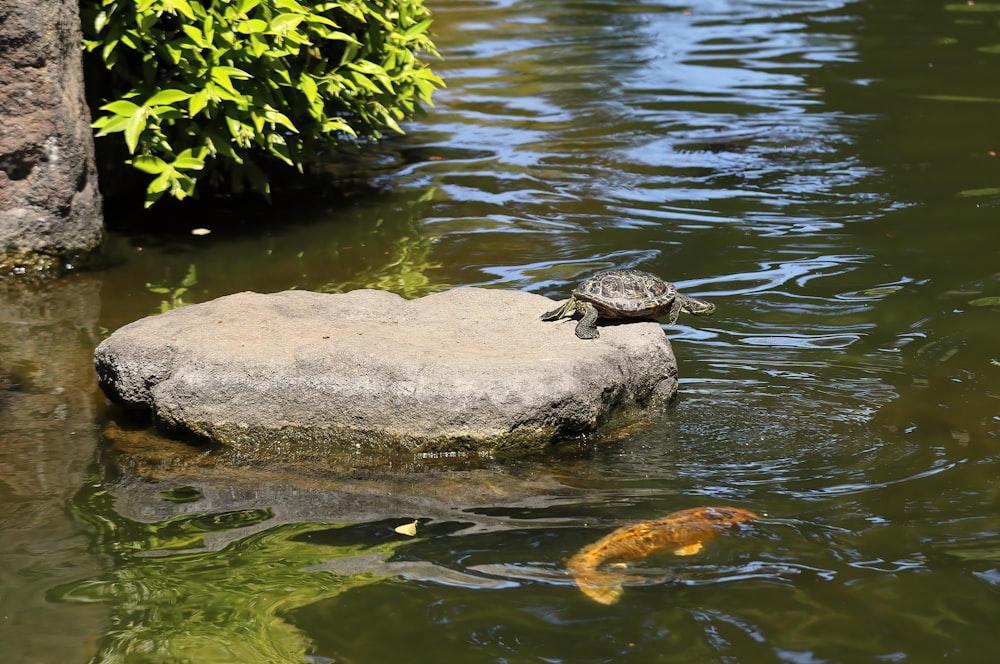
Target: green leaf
(188,164)
(220,76)
(197,102)
(365,82)
(392,124)
(418,29)
(160,183)
(130,41)
(338,125)
(246,5)
(167,113)
(195,35)
(285,22)
(231,72)
(174,54)
(134,128)
(122,107)
(351,8)
(279,148)
(182,186)
(167,97)
(193,153)
(336,35)
(290,5)
(108,54)
(110,124)
(319,19)
(257,46)
(178,6)
(100,20)
(148,163)
(275,117)
(217,92)
(258,122)
(251,26)
(367,67)
(307,84)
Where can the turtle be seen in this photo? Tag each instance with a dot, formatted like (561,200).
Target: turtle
(626,294)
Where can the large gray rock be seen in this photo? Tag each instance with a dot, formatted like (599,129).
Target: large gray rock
(50,207)
(368,373)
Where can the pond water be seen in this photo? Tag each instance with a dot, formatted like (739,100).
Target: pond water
(826,172)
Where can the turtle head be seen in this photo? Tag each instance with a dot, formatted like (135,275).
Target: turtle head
(697,307)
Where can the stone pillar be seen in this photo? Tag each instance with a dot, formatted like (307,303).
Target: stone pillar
(50,206)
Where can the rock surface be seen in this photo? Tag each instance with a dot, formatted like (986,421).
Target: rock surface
(50,207)
(366,373)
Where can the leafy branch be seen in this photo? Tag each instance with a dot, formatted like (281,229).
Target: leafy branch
(215,88)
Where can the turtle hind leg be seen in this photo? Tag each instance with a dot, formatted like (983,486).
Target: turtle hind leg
(587,327)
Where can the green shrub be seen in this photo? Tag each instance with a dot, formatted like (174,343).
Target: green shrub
(209,89)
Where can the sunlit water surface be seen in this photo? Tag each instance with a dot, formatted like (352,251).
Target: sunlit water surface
(825,172)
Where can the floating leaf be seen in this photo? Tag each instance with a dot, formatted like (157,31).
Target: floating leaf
(886,290)
(409,529)
(973,7)
(989,553)
(985,191)
(991,301)
(976,100)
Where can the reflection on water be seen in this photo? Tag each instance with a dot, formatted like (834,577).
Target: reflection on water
(47,438)
(184,603)
(810,167)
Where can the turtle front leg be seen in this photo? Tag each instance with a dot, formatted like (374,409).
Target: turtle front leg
(587,327)
(675,311)
(566,307)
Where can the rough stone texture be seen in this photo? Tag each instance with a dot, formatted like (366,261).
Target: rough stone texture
(50,207)
(464,371)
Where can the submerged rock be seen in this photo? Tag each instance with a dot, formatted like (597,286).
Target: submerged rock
(463,372)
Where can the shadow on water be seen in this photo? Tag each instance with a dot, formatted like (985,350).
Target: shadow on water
(819,170)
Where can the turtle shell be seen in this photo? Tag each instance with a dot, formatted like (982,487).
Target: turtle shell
(627,294)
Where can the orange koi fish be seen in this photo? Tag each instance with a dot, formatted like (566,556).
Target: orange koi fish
(681,533)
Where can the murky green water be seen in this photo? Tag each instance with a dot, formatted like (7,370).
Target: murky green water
(826,172)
